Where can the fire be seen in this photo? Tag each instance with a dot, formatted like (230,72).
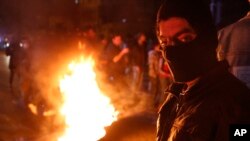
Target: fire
(87,111)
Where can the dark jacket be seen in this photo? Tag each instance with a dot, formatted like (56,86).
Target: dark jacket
(17,55)
(207,110)
(139,55)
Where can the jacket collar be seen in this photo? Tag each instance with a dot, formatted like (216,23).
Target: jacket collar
(206,81)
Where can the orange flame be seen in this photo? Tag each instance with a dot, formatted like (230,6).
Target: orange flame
(86,110)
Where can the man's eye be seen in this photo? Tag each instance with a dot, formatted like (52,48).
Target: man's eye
(186,38)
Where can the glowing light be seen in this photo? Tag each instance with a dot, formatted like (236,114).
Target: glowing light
(86,110)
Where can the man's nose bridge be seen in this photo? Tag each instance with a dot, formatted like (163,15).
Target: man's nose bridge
(170,41)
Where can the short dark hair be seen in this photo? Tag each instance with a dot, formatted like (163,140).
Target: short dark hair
(196,12)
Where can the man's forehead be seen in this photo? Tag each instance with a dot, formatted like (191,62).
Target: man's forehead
(173,26)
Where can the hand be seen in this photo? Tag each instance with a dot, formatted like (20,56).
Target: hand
(125,51)
(119,56)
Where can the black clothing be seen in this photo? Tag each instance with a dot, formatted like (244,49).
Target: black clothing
(188,60)
(139,55)
(116,70)
(16,53)
(206,110)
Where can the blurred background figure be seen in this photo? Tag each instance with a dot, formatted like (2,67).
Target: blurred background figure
(16,54)
(234,46)
(19,66)
(153,73)
(116,61)
(90,41)
(138,61)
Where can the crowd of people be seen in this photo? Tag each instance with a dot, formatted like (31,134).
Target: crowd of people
(137,64)
(180,70)
(133,65)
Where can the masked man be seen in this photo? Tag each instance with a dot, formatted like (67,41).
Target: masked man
(205,99)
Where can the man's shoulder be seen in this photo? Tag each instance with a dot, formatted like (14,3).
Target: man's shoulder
(225,30)
(242,23)
(221,84)
(232,89)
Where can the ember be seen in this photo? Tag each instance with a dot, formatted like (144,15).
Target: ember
(87,111)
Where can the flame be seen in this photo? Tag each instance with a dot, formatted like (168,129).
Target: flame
(86,110)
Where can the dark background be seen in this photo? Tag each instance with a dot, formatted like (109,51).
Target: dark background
(67,15)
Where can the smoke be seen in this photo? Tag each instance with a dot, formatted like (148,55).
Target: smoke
(126,101)
(50,57)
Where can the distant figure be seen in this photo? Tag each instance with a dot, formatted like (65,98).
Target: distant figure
(90,43)
(153,72)
(19,65)
(16,53)
(138,60)
(234,46)
(115,57)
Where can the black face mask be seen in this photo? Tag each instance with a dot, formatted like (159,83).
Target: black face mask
(187,60)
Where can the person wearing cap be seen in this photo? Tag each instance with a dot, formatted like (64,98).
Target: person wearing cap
(205,98)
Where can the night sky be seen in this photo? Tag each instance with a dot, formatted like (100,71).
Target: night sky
(25,14)
(46,14)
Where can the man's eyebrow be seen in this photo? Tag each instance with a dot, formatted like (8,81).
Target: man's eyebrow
(184,30)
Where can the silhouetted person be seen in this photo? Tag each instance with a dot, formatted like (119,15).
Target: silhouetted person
(16,53)
(138,60)
(19,65)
